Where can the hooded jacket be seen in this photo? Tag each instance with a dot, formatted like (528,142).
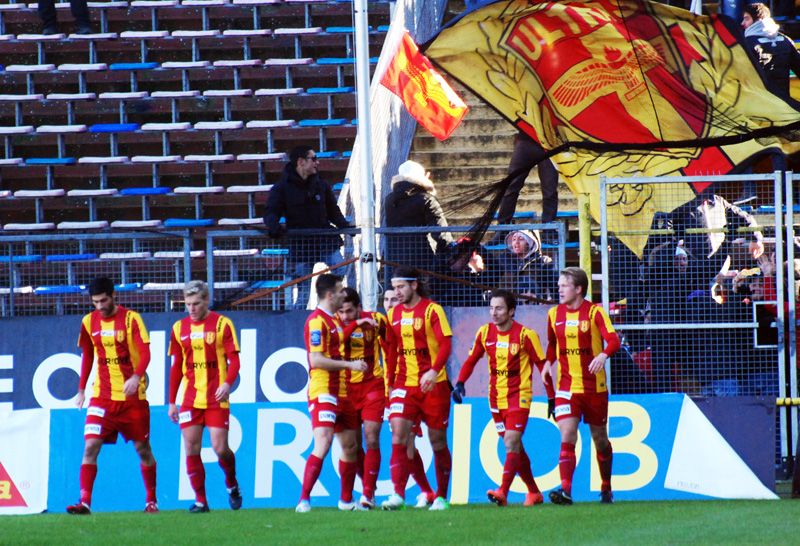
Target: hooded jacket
(413,203)
(775,54)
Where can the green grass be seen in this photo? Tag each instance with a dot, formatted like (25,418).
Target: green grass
(630,523)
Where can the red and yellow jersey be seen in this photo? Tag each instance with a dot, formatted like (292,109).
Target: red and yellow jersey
(415,335)
(323,333)
(364,343)
(509,356)
(575,338)
(204,347)
(116,341)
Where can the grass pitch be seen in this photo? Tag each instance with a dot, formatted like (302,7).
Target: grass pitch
(688,522)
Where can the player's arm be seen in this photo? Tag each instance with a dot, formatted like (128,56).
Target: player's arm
(550,355)
(610,337)
(231,346)
(131,385)
(534,350)
(475,354)
(87,361)
(443,335)
(175,376)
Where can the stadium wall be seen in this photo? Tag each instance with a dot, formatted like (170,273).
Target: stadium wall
(666,446)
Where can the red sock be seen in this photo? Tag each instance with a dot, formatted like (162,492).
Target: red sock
(443,462)
(197,477)
(347,471)
(604,464)
(313,468)
(566,466)
(399,466)
(418,473)
(526,473)
(372,466)
(228,465)
(149,477)
(509,471)
(87,476)
(360,462)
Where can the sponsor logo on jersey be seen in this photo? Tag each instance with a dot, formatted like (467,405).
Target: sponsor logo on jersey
(327,417)
(184,417)
(327,399)
(316,338)
(502,344)
(396,407)
(573,322)
(501,427)
(398,393)
(357,335)
(406,321)
(197,335)
(566,395)
(563,409)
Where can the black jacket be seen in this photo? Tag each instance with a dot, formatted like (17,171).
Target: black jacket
(306,204)
(776,55)
(409,204)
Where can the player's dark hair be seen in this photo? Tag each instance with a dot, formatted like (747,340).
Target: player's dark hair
(298,153)
(327,283)
(578,278)
(101,285)
(508,297)
(405,272)
(351,296)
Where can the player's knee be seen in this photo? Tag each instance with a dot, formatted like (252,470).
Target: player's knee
(438,439)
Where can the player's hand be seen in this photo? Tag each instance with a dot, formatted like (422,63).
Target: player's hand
(358,365)
(458,393)
(131,385)
(172,413)
(551,408)
(367,320)
(80,399)
(597,363)
(428,380)
(756,249)
(547,373)
(222,392)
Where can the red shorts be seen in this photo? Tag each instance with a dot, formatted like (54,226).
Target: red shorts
(332,411)
(368,399)
(209,417)
(412,404)
(510,419)
(107,418)
(592,406)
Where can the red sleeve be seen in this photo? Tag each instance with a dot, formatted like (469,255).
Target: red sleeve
(390,350)
(233,368)
(475,354)
(551,340)
(175,376)
(539,363)
(87,357)
(610,337)
(348,330)
(142,348)
(445,346)
(229,341)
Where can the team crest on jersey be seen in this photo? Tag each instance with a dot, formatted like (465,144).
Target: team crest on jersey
(368,336)
(514,349)
(211,337)
(120,335)
(584,326)
(417,323)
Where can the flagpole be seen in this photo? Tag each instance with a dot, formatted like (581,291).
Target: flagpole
(369,274)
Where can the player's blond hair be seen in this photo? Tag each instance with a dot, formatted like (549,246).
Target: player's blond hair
(196,287)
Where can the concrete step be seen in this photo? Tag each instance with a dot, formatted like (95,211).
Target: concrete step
(478,140)
(460,157)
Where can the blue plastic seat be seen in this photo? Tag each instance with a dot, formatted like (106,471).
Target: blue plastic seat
(332,122)
(114,127)
(58,289)
(187,223)
(132,66)
(21,259)
(327,155)
(128,287)
(70,257)
(145,191)
(50,161)
(275,252)
(329,90)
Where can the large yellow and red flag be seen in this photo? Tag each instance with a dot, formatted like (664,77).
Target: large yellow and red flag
(426,94)
(621,88)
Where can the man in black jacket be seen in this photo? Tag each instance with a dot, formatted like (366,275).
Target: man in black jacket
(775,52)
(306,202)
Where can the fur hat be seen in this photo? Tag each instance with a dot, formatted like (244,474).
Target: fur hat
(411,171)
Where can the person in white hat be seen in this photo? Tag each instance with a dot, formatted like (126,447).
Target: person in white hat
(412,203)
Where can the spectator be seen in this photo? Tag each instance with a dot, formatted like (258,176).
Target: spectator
(532,273)
(527,155)
(307,202)
(412,203)
(774,51)
(80,11)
